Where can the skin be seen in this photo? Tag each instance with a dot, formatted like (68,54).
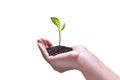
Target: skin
(80,59)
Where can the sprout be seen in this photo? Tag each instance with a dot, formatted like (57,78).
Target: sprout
(60,27)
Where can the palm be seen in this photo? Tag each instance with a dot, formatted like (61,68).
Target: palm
(61,62)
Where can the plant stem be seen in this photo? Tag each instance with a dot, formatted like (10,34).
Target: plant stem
(59,37)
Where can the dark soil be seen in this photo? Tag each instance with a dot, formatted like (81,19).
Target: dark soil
(58,50)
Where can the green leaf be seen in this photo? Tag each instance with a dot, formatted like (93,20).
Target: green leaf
(56,21)
(62,27)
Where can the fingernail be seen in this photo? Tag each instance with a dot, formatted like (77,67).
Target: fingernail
(38,41)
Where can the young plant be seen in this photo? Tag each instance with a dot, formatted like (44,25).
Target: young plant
(58,49)
(60,27)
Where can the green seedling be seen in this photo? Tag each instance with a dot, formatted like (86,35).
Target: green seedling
(60,27)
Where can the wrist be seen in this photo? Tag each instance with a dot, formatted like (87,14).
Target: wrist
(94,69)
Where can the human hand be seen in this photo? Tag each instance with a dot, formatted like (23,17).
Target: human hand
(61,62)
(81,59)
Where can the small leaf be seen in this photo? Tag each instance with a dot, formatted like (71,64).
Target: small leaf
(62,27)
(56,21)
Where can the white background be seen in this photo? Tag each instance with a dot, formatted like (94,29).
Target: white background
(92,23)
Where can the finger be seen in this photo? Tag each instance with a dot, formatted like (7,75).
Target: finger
(43,51)
(49,44)
(43,42)
(40,41)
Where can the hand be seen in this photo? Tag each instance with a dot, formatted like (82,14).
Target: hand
(75,59)
(61,62)
(81,59)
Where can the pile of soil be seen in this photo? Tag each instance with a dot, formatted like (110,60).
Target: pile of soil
(58,50)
